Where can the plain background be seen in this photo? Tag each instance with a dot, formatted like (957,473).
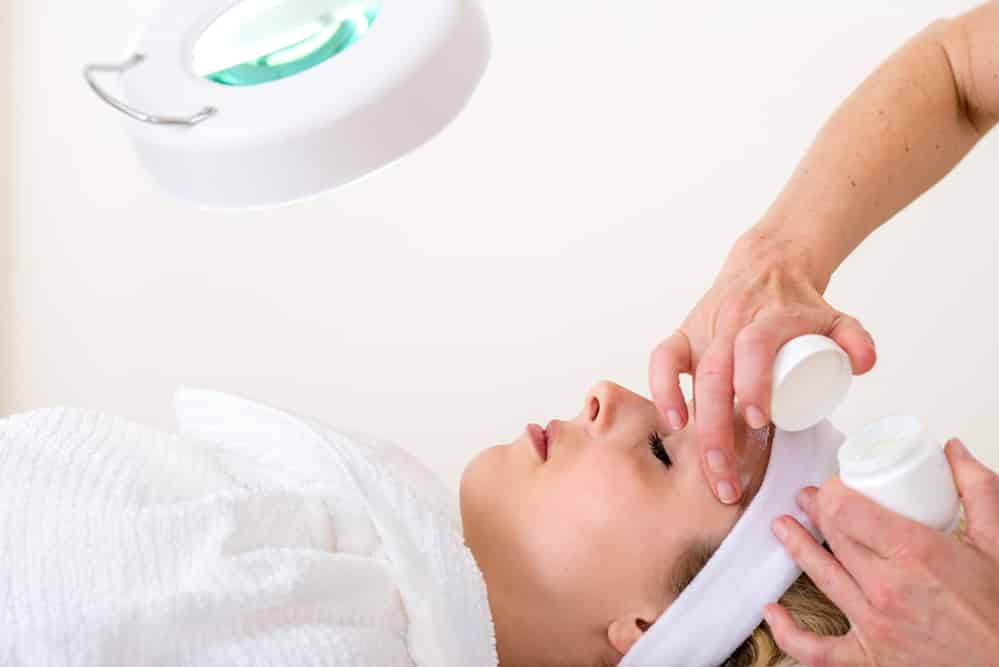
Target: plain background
(566,222)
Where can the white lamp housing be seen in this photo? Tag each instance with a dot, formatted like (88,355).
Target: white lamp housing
(315,93)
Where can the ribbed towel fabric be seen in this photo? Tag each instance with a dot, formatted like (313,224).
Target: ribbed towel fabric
(252,537)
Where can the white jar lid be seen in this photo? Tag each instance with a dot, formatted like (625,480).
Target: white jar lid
(810,379)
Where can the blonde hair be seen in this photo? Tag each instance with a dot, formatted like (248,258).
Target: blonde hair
(809,607)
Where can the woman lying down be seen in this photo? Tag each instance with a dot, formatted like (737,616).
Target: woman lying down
(257,537)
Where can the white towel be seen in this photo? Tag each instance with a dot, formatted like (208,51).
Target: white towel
(257,538)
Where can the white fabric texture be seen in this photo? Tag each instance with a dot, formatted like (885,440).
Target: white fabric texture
(255,538)
(724,603)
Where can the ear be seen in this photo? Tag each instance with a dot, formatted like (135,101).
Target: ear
(627,629)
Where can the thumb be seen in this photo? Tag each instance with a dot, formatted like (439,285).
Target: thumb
(979,490)
(858,343)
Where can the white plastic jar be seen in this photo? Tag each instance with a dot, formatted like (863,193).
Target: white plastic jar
(811,376)
(896,463)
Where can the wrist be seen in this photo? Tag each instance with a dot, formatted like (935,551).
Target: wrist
(765,248)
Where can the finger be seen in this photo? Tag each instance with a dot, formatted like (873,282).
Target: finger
(713,410)
(856,341)
(866,522)
(978,487)
(809,648)
(862,564)
(820,565)
(756,349)
(669,359)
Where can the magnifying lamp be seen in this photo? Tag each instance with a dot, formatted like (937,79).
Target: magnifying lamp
(267,102)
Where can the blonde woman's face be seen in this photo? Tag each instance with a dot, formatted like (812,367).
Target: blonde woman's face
(568,542)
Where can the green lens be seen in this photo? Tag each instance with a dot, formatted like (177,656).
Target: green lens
(259,41)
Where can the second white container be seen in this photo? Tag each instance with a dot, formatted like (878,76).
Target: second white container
(895,462)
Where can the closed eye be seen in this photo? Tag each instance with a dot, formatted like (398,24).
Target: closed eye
(656,445)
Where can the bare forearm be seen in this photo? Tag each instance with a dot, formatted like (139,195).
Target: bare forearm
(906,126)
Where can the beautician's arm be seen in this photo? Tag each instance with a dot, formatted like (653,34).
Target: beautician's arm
(914,596)
(898,134)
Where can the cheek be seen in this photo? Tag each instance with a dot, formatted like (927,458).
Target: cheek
(596,553)
(587,514)
(595,496)
(701,512)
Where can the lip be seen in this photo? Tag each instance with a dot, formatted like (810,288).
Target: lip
(539,438)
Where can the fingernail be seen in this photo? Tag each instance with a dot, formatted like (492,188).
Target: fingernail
(768,616)
(870,339)
(755,417)
(804,499)
(780,530)
(726,492)
(960,449)
(716,460)
(674,419)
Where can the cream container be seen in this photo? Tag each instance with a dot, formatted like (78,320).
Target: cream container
(895,462)
(811,376)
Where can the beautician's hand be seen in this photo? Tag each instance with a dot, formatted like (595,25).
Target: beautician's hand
(766,294)
(914,596)
(902,130)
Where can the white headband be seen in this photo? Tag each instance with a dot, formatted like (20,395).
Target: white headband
(724,603)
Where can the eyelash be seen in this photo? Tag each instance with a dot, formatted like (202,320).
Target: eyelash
(656,445)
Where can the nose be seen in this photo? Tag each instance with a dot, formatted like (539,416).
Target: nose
(602,401)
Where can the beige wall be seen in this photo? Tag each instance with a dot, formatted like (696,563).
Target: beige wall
(566,222)
(7,64)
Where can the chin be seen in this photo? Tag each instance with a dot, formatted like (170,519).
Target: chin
(478,479)
(478,467)
(470,477)
(471,490)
